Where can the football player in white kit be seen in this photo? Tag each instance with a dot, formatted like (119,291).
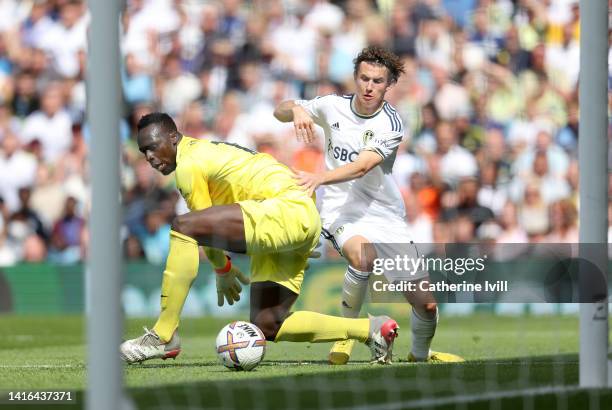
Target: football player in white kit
(361,203)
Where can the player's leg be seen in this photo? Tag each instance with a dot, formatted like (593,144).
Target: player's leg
(423,324)
(270,305)
(423,321)
(218,226)
(357,274)
(281,233)
(270,311)
(354,289)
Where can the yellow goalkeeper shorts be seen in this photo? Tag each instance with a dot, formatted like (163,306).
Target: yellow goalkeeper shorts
(281,232)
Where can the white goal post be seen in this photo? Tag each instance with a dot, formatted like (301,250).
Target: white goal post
(592,155)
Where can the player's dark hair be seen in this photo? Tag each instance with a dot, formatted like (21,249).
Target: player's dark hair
(381,56)
(161,118)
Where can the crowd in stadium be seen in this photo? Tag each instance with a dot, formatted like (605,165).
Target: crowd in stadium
(489,102)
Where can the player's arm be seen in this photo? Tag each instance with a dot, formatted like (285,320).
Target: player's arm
(364,163)
(303,122)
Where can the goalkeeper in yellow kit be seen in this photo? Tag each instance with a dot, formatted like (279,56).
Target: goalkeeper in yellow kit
(247,202)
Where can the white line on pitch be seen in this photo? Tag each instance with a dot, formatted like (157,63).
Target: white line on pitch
(41,366)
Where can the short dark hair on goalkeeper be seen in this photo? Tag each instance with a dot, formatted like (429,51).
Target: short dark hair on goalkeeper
(382,56)
(161,118)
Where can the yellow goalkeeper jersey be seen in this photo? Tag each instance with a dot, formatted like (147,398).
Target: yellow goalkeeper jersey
(217,173)
(281,223)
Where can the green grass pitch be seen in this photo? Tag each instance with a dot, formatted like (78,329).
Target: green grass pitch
(505,357)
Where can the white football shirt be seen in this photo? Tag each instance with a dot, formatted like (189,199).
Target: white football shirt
(375,196)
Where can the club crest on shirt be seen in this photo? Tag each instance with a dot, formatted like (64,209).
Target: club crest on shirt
(339,230)
(367,136)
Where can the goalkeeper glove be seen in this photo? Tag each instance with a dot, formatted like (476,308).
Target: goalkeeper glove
(228,283)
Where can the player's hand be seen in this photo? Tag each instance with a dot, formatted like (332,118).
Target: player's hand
(303,125)
(228,285)
(309,182)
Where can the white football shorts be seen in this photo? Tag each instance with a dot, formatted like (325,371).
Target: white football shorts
(391,239)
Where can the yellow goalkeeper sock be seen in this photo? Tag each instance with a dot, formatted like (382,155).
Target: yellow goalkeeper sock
(314,327)
(181,270)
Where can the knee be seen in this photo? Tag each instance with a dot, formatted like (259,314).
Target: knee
(362,261)
(267,324)
(186,225)
(430,310)
(179,224)
(426,311)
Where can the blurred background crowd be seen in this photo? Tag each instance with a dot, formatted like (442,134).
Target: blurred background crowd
(489,103)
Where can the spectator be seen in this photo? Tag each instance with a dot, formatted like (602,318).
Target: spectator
(533,213)
(66,37)
(421,226)
(465,203)
(132,249)
(552,188)
(563,222)
(34,250)
(29,216)
(490,92)
(567,137)
(192,121)
(512,240)
(48,196)
(17,170)
(491,194)
(455,161)
(25,100)
(503,100)
(558,160)
(51,125)
(512,56)
(37,25)
(403,32)
(406,163)
(464,230)
(137,82)
(426,194)
(563,60)
(573,179)
(178,88)
(451,100)
(425,141)
(496,151)
(512,232)
(547,103)
(155,238)
(434,44)
(68,236)
(482,36)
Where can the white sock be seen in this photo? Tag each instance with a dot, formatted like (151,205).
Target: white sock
(353,291)
(422,333)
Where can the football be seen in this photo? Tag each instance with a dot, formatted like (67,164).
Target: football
(241,346)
